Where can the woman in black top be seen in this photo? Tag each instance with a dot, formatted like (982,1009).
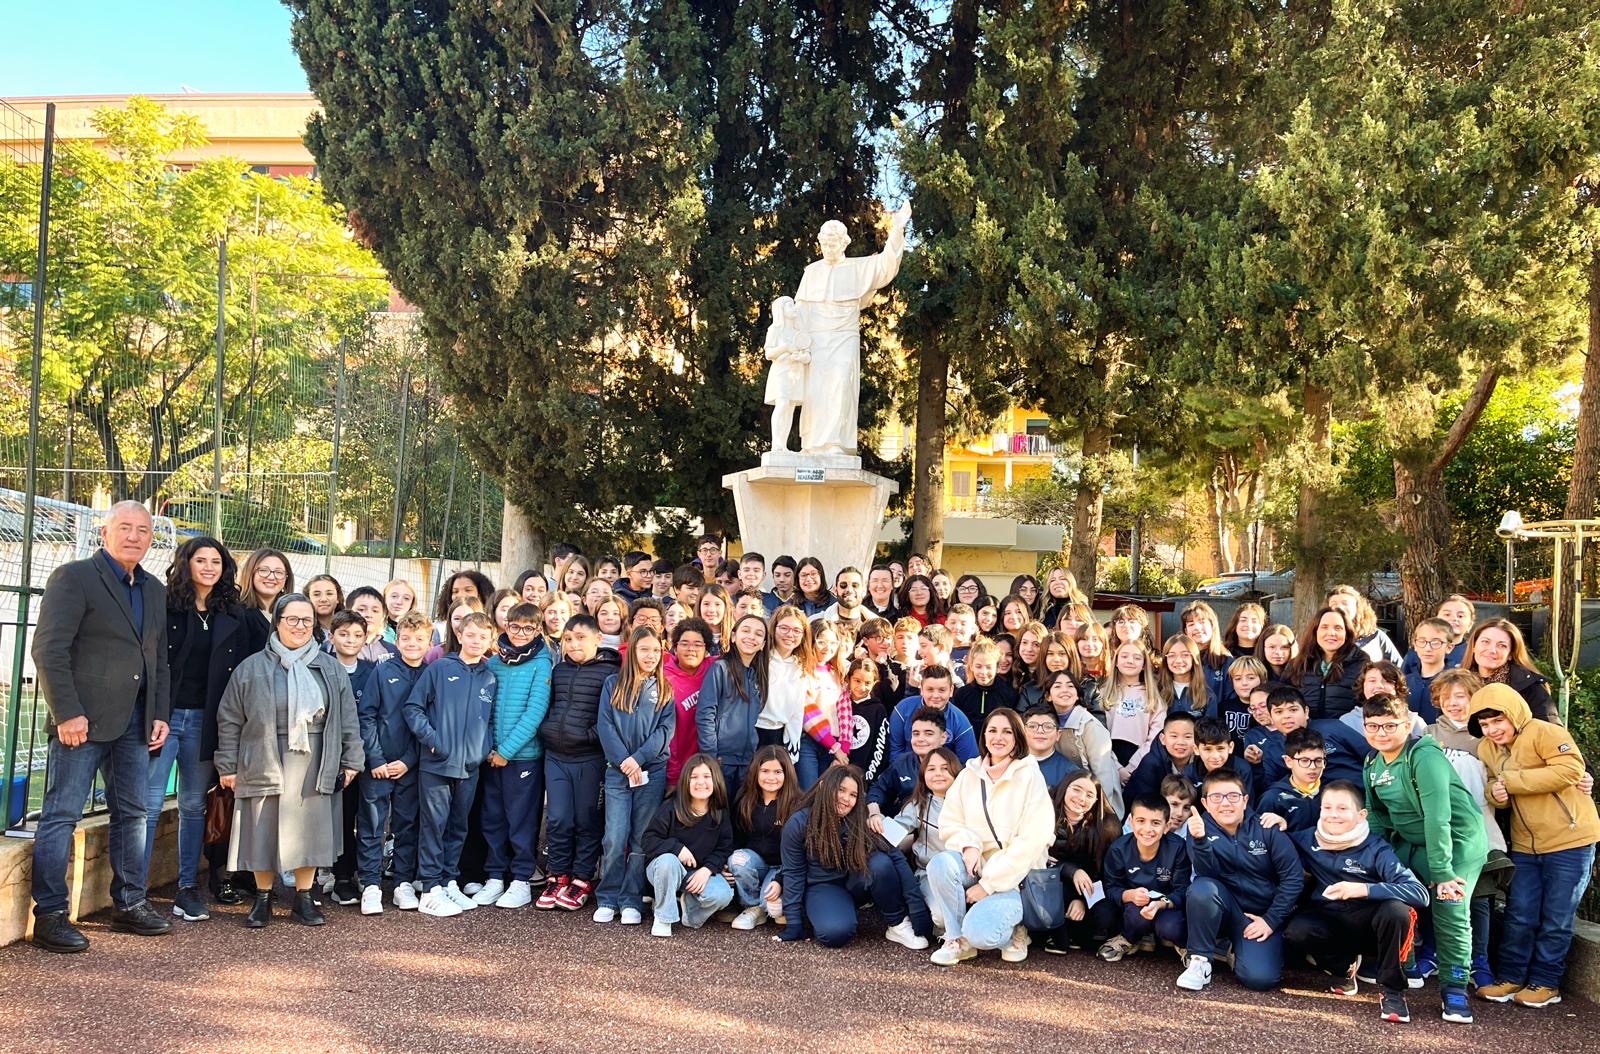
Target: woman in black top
(770,795)
(688,843)
(208,634)
(1325,671)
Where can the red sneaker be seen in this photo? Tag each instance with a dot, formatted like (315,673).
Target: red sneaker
(551,896)
(574,895)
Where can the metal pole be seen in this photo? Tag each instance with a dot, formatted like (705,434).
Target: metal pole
(216,396)
(399,469)
(1511,569)
(449,500)
(30,472)
(333,484)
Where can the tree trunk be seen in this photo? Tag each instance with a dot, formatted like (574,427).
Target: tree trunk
(1084,555)
(927,496)
(1586,449)
(521,544)
(1422,511)
(1222,559)
(1311,561)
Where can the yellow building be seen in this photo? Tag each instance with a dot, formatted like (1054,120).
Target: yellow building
(264,129)
(1016,448)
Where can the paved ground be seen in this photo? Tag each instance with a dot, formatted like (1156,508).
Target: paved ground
(503,981)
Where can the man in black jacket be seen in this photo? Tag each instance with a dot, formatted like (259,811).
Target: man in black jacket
(574,765)
(101,653)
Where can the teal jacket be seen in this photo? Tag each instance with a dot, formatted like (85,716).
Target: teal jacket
(520,703)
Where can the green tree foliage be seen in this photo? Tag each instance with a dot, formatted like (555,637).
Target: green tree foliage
(129,355)
(529,189)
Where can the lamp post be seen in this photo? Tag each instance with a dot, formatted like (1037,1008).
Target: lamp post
(1510,524)
(1570,537)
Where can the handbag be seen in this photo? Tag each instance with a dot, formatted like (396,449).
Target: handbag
(1044,901)
(219,814)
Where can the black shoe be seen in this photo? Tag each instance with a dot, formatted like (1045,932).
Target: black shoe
(226,892)
(346,892)
(1056,943)
(260,911)
(189,906)
(305,910)
(54,933)
(141,919)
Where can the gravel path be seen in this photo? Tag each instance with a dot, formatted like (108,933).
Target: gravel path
(502,981)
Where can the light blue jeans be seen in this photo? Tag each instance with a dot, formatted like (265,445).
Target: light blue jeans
(988,923)
(750,875)
(182,748)
(667,874)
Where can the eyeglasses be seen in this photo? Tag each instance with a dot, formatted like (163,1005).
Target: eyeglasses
(267,572)
(1385,728)
(1430,642)
(298,621)
(1310,763)
(692,645)
(521,628)
(1039,726)
(1226,798)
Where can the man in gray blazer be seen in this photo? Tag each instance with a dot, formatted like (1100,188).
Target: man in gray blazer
(100,650)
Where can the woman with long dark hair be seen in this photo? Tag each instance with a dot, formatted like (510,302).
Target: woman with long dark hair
(1085,829)
(811,581)
(1329,662)
(208,634)
(832,863)
(731,698)
(919,601)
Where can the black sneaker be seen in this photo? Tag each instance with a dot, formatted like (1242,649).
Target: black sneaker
(140,919)
(54,933)
(189,906)
(346,892)
(305,910)
(1056,943)
(1393,1008)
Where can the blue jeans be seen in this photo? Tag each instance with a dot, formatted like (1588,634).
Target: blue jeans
(750,875)
(733,779)
(392,803)
(1540,905)
(628,812)
(667,875)
(513,804)
(124,763)
(814,760)
(443,803)
(987,924)
(1214,915)
(830,907)
(182,748)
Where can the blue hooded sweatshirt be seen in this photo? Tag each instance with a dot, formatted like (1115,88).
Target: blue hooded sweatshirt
(1373,862)
(450,711)
(643,735)
(1258,865)
(958,734)
(384,733)
(1168,872)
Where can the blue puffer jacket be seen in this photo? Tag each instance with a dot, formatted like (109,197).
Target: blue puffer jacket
(643,735)
(727,724)
(522,697)
(450,711)
(384,733)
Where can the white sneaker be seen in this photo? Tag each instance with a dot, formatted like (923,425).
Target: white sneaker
(1196,975)
(951,952)
(604,915)
(372,900)
(405,897)
(488,893)
(460,897)
(660,929)
(750,918)
(902,933)
(471,888)
(1017,949)
(517,895)
(632,916)
(436,902)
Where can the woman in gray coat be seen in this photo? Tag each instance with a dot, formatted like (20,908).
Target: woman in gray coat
(287,740)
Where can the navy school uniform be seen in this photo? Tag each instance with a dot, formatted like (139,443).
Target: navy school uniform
(1167,873)
(1255,870)
(344,868)
(895,784)
(1256,736)
(1419,694)
(1346,748)
(827,899)
(393,802)
(1300,811)
(1145,782)
(450,711)
(1195,771)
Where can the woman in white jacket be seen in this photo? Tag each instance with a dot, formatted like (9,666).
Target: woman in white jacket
(997,825)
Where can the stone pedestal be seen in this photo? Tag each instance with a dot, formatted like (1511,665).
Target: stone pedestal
(806,505)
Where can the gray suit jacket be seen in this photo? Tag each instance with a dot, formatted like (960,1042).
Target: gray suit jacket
(90,660)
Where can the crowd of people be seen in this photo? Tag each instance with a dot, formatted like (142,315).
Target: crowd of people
(728,739)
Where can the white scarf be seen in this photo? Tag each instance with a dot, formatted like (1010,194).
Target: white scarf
(1340,842)
(306,702)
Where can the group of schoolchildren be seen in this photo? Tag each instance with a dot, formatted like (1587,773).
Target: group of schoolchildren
(1244,795)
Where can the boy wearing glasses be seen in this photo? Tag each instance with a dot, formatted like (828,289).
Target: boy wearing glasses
(1294,803)
(1421,807)
(1042,732)
(1247,880)
(513,792)
(1430,643)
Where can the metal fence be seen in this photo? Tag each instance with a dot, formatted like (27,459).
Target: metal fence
(271,414)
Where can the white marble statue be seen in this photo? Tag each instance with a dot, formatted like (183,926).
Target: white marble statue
(832,293)
(789,350)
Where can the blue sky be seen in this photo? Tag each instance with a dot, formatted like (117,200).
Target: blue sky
(88,47)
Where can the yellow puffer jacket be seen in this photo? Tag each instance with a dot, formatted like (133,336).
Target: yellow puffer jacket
(1541,769)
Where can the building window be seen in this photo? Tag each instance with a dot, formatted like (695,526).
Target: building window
(1038,426)
(961,484)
